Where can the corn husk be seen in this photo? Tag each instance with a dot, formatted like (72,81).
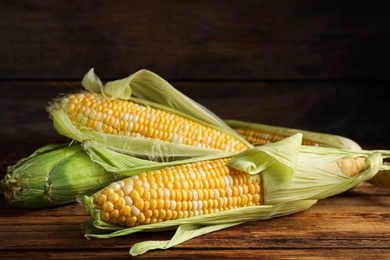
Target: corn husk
(53,175)
(325,139)
(382,178)
(127,166)
(197,226)
(313,178)
(149,89)
(294,178)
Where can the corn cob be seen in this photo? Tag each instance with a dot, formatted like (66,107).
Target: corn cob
(51,176)
(217,185)
(260,134)
(259,183)
(158,122)
(257,138)
(189,190)
(178,192)
(124,117)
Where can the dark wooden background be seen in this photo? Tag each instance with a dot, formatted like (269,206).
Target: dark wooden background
(315,65)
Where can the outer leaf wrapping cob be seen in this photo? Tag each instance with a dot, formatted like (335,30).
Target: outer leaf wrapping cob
(52,176)
(260,134)
(200,197)
(382,178)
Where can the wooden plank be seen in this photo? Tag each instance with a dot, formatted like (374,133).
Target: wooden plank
(207,254)
(266,254)
(199,41)
(309,233)
(358,222)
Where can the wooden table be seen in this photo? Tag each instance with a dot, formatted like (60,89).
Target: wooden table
(352,225)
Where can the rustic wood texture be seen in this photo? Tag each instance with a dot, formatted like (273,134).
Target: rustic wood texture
(313,65)
(215,40)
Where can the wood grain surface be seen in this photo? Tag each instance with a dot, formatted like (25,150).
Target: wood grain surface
(216,40)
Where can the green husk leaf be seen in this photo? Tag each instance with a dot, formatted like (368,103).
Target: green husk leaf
(195,226)
(382,178)
(53,175)
(314,180)
(326,139)
(126,165)
(186,232)
(183,233)
(276,162)
(92,82)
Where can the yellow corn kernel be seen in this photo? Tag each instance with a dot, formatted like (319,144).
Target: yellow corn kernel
(174,199)
(116,116)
